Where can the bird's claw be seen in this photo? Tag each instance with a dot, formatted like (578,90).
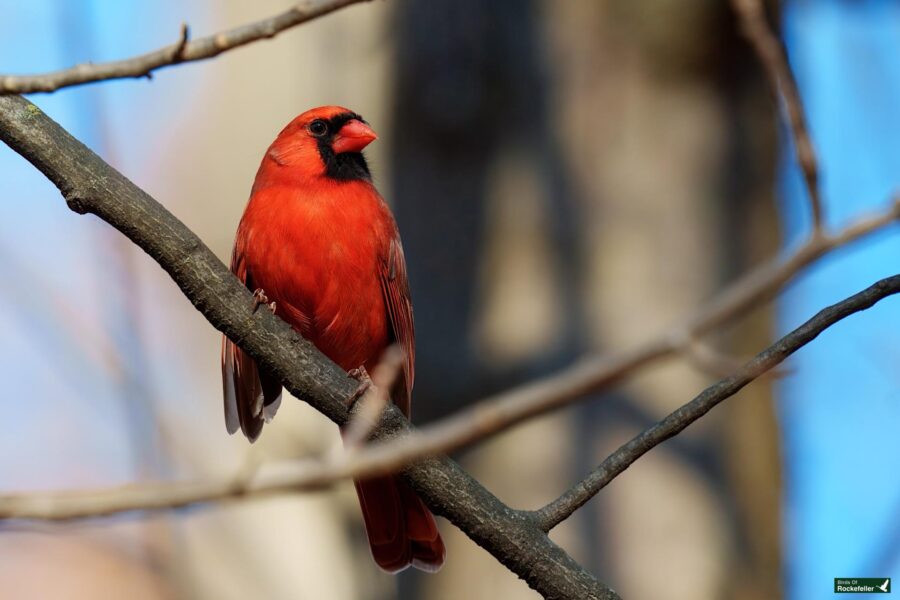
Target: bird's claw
(260,298)
(365,382)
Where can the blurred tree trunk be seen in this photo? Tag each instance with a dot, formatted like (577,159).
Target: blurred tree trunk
(615,156)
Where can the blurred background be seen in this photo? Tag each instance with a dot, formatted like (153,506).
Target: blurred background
(568,177)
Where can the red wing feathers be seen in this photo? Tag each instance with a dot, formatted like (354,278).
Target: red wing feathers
(395,286)
(401,529)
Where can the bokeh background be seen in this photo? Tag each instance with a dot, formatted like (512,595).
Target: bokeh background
(568,177)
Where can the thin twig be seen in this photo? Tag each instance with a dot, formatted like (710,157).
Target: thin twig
(181,51)
(575,497)
(252,481)
(762,282)
(377,397)
(756,29)
(178,52)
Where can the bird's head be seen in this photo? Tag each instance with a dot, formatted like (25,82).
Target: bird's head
(324,142)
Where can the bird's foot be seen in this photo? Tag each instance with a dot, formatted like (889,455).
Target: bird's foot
(260,298)
(365,382)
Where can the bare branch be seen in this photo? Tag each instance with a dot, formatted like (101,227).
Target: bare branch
(180,52)
(756,29)
(559,510)
(90,185)
(251,482)
(764,281)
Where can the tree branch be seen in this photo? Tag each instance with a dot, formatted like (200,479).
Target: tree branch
(764,281)
(560,509)
(502,411)
(591,374)
(180,52)
(768,47)
(89,185)
(515,538)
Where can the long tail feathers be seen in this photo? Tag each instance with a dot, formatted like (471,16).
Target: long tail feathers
(401,529)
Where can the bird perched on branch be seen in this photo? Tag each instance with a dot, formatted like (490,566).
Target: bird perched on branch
(319,242)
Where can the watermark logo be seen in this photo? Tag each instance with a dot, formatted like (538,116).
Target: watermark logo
(862,585)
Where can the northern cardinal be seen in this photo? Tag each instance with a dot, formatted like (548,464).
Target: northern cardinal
(321,243)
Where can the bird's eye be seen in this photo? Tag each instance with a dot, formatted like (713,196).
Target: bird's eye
(318,128)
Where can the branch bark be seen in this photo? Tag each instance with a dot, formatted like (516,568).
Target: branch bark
(181,51)
(89,185)
(755,27)
(560,509)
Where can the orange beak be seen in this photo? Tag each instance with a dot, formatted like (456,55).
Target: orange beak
(353,137)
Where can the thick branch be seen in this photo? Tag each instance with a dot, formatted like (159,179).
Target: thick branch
(90,185)
(756,29)
(559,510)
(180,52)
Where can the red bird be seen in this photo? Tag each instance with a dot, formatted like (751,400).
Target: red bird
(321,242)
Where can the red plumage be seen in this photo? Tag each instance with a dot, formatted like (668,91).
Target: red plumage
(321,242)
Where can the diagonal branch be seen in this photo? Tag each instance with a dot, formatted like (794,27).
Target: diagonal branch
(184,50)
(560,509)
(756,29)
(89,185)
